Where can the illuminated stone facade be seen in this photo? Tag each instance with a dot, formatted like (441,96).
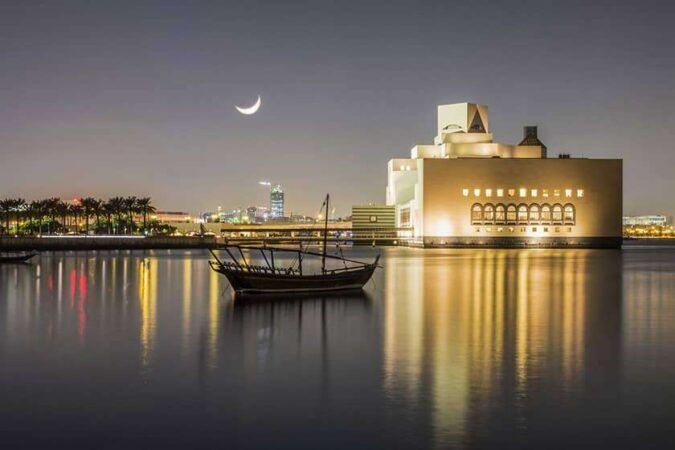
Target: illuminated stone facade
(466,190)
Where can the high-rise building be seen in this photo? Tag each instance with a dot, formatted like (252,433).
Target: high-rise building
(276,202)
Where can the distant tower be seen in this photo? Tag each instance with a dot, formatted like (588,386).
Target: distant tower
(277,201)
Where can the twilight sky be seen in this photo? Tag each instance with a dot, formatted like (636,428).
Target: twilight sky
(137,98)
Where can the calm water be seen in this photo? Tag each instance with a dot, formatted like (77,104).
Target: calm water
(445,348)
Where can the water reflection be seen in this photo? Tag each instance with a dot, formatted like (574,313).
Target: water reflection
(300,325)
(147,296)
(447,348)
(482,331)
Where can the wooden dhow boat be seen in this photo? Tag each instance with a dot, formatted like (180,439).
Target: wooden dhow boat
(248,278)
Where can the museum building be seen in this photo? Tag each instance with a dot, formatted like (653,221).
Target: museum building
(467,190)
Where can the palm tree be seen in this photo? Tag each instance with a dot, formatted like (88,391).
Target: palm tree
(51,210)
(36,208)
(88,207)
(145,207)
(76,212)
(97,210)
(118,211)
(116,207)
(6,208)
(19,206)
(12,207)
(62,209)
(108,211)
(129,205)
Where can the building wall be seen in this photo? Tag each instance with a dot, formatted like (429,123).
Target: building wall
(446,211)
(373,216)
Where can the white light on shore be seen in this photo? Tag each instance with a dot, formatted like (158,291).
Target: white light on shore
(102,236)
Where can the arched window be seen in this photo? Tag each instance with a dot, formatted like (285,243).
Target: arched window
(511,213)
(522,213)
(569,214)
(489,213)
(534,213)
(557,213)
(476,213)
(500,214)
(545,213)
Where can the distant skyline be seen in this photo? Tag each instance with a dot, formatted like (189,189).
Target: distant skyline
(138,98)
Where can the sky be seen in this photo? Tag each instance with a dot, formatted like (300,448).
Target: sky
(107,98)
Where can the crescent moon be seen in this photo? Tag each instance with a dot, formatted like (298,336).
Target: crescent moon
(251,109)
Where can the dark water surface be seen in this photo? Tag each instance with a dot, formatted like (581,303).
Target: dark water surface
(445,349)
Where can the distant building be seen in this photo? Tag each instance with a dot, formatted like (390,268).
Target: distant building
(208,217)
(654,220)
(373,221)
(299,218)
(467,190)
(232,216)
(171,217)
(276,202)
(257,214)
(373,216)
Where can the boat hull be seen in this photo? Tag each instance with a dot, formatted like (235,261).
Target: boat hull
(254,282)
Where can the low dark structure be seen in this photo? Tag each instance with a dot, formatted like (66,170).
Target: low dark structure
(16,259)
(62,243)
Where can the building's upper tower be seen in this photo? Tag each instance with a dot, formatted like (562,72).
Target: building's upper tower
(467,117)
(464,132)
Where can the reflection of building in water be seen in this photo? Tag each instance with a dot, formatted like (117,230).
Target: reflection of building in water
(649,335)
(466,189)
(187,304)
(480,331)
(147,296)
(214,319)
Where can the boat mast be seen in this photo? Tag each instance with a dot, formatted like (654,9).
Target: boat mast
(325,236)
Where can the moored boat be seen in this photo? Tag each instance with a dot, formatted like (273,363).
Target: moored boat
(246,277)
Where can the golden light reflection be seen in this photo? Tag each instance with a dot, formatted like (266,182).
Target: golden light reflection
(482,316)
(214,320)
(522,328)
(404,346)
(147,294)
(187,297)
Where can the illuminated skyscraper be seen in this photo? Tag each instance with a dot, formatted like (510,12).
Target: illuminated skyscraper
(276,202)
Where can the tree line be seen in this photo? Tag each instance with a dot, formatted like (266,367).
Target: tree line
(117,215)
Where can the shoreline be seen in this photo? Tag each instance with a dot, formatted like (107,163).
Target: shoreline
(64,243)
(85,243)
